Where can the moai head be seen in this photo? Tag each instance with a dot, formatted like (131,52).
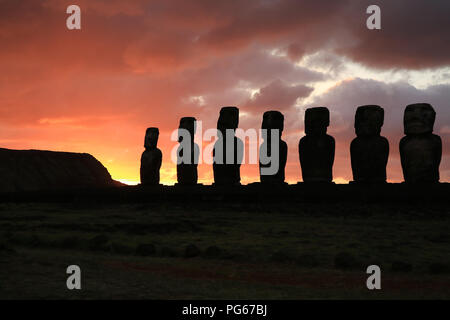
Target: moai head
(369,120)
(228,119)
(189,124)
(151,138)
(273,120)
(317,120)
(419,118)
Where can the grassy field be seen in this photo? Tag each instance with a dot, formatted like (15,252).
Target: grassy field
(224,251)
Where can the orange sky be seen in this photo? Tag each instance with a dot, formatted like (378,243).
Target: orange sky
(137,64)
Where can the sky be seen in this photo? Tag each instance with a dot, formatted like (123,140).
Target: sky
(136,64)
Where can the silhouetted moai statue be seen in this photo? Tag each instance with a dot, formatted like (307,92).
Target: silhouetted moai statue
(420,149)
(187,153)
(369,151)
(228,149)
(316,148)
(272,125)
(151,158)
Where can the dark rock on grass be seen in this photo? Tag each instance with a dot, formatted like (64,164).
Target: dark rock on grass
(119,248)
(439,238)
(307,260)
(8,234)
(98,242)
(237,257)
(281,256)
(191,251)
(5,249)
(70,242)
(35,241)
(146,249)
(28,240)
(439,268)
(400,266)
(213,252)
(167,252)
(345,260)
(157,228)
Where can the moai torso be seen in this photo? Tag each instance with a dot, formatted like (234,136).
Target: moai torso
(187,173)
(273,120)
(228,150)
(187,153)
(369,151)
(316,149)
(227,172)
(421,156)
(151,158)
(420,149)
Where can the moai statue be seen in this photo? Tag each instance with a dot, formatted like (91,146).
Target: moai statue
(187,153)
(228,149)
(316,148)
(369,151)
(151,158)
(420,149)
(272,154)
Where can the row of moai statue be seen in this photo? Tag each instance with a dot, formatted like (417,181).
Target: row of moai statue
(420,149)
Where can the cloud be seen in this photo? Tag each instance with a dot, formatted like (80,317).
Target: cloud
(277,95)
(412,36)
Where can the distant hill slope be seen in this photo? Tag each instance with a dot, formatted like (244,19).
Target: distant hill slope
(27,170)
